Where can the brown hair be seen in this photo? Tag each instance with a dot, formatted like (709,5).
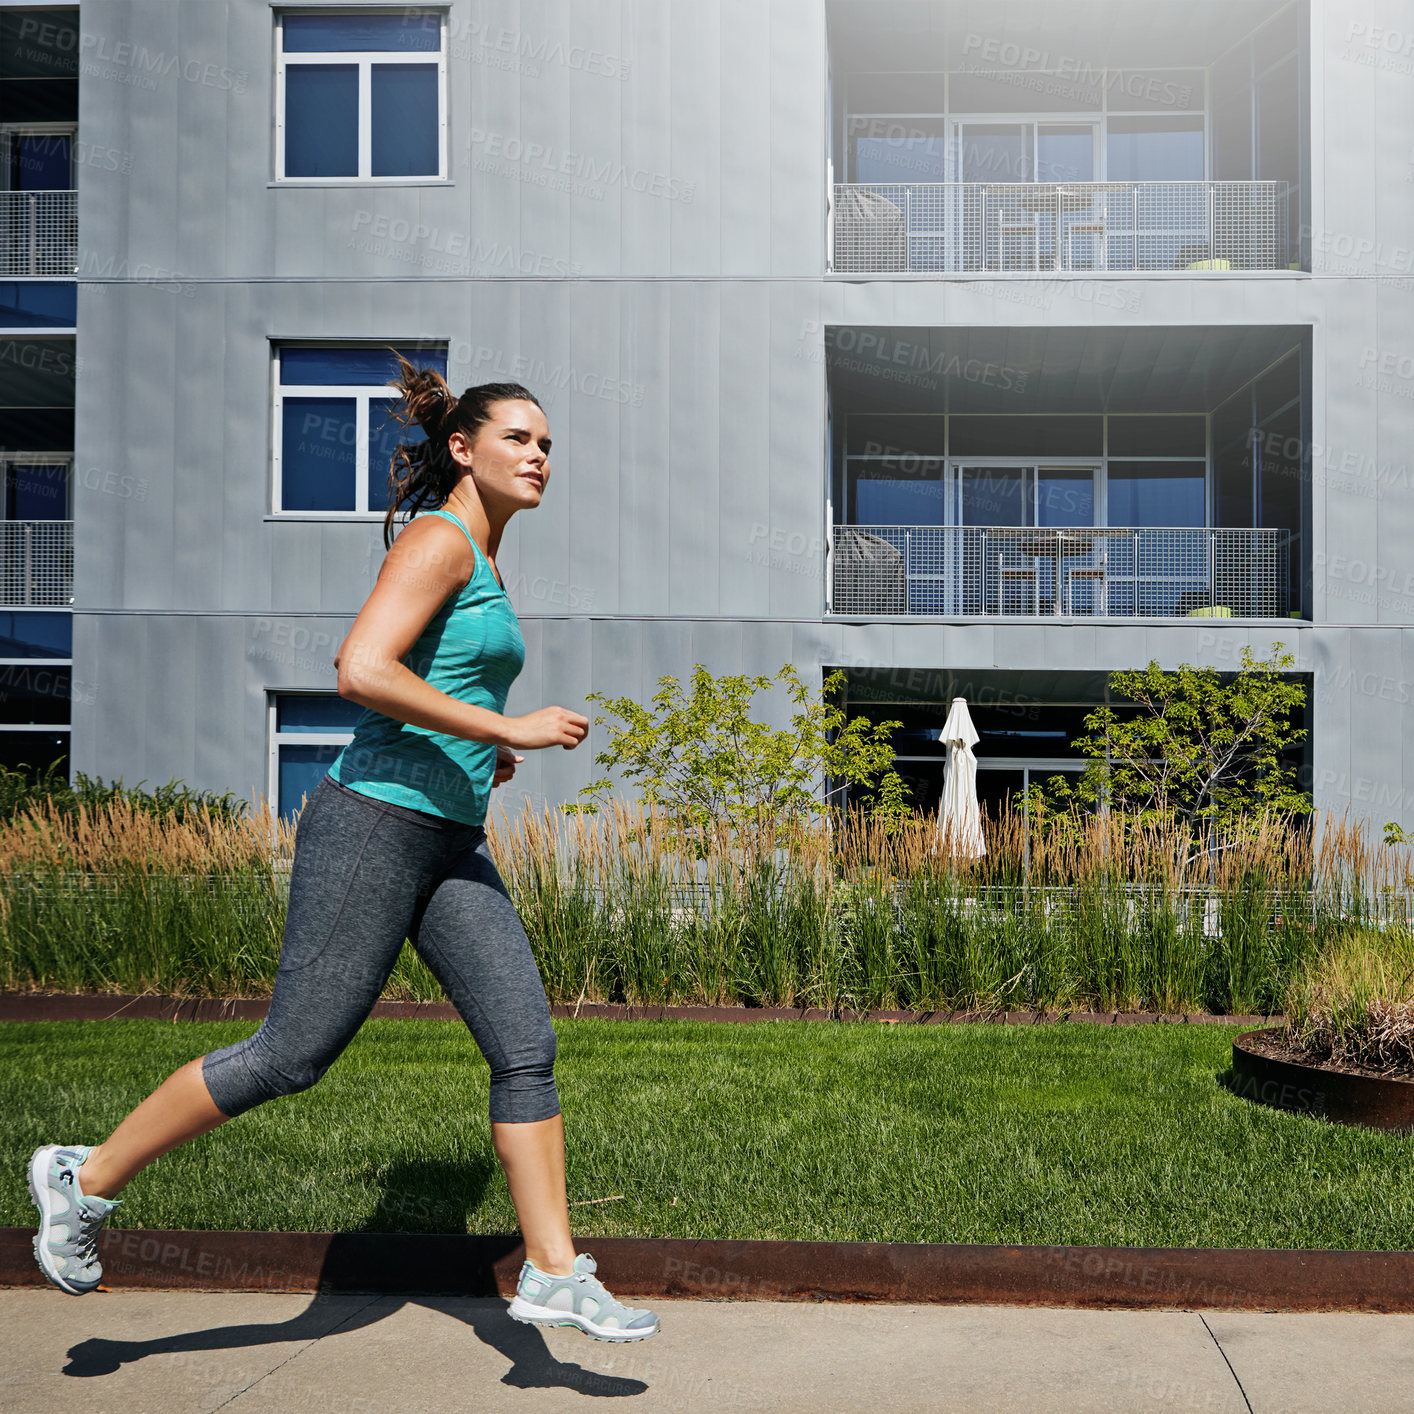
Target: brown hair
(421,475)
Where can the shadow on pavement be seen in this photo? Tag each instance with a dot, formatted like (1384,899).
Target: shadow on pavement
(416,1197)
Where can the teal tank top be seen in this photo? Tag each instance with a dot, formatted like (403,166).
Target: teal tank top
(471,649)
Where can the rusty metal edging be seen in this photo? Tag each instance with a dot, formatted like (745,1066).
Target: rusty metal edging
(98,1006)
(1109,1277)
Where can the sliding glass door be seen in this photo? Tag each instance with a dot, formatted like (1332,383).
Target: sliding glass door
(1010,227)
(1000,567)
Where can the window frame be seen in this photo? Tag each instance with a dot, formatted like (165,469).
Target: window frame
(277,738)
(363,60)
(362,394)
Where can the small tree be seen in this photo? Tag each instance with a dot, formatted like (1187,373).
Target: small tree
(702,759)
(1200,753)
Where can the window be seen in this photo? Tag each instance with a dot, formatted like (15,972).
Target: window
(1155,149)
(1156,493)
(334,437)
(37,690)
(360,96)
(37,157)
(308,730)
(36,485)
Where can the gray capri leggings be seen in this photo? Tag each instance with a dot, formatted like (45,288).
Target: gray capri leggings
(366,875)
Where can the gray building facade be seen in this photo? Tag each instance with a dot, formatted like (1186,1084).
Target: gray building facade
(972,349)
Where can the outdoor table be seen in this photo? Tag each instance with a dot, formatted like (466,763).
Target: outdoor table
(1053,545)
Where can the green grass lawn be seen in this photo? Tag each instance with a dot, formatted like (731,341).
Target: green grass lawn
(854,1131)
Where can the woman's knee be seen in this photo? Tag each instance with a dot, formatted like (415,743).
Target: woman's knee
(249,1073)
(523,1081)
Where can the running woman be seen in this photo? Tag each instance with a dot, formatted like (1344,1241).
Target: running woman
(392,845)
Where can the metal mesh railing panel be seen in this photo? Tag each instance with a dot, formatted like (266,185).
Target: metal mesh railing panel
(957,227)
(38,232)
(1160,572)
(36,562)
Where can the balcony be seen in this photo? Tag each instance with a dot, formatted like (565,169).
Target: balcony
(946,228)
(38,232)
(1020,571)
(36,564)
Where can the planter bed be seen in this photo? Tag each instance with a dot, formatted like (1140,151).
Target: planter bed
(1265,1069)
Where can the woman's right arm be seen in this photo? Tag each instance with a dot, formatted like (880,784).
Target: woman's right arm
(425,565)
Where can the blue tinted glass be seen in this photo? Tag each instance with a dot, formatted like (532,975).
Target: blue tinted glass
(317,455)
(888,502)
(315,712)
(301,769)
(321,120)
(36,635)
(995,496)
(315,34)
(39,305)
(1155,150)
(384,434)
(905,152)
(1065,155)
(42,163)
(405,120)
(38,492)
(996,152)
(359,367)
(1065,500)
(1155,495)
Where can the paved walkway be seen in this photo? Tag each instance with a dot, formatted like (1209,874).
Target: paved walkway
(178,1353)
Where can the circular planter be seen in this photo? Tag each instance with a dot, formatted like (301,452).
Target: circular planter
(1378,1102)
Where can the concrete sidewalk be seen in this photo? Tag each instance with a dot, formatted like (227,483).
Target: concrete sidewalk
(182,1352)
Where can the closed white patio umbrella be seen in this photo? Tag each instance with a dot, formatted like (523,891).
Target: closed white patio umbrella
(959,819)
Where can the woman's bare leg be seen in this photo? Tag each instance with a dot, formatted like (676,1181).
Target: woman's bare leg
(533,1156)
(179,1109)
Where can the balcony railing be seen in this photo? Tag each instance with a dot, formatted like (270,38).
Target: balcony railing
(38,232)
(959,227)
(990,570)
(36,563)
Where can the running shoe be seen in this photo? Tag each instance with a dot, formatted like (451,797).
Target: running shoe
(578,1300)
(66,1246)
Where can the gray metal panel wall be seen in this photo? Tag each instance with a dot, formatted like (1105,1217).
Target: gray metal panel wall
(703,320)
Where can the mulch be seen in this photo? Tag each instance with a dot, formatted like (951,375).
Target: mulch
(1280,1049)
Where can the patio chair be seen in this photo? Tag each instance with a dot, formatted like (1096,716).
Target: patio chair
(1095,573)
(1015,568)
